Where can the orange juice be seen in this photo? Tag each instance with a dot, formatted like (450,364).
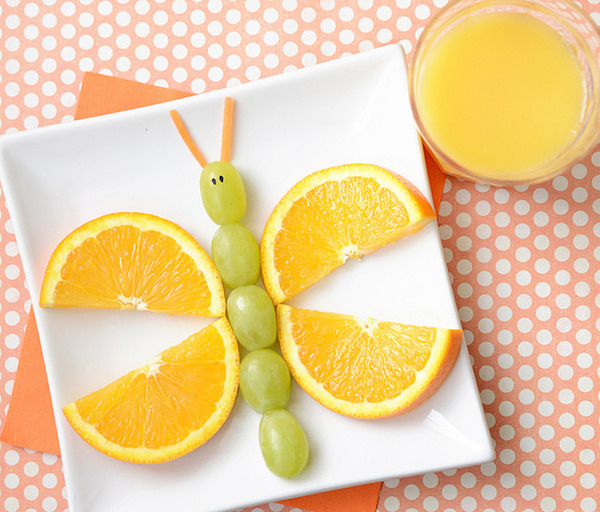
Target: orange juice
(501,94)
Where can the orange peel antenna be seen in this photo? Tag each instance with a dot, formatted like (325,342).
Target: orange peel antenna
(227,130)
(187,138)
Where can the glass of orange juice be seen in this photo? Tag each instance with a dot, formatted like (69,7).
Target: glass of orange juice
(507,92)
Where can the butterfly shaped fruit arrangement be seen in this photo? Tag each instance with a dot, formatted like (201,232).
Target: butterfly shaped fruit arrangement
(365,369)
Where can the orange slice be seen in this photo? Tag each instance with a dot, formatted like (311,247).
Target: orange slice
(168,407)
(365,368)
(332,215)
(133,261)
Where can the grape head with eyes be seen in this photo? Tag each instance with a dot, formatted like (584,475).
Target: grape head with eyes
(223,193)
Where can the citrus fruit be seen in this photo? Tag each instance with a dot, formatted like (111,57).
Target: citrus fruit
(364,368)
(168,407)
(133,260)
(332,215)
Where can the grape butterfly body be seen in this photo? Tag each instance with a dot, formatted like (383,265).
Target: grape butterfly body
(265,379)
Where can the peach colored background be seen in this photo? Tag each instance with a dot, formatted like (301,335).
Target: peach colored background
(524,262)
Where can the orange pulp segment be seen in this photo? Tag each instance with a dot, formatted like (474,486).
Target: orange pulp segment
(332,215)
(168,407)
(133,260)
(365,368)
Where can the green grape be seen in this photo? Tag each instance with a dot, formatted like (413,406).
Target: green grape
(236,255)
(265,380)
(251,314)
(223,193)
(283,443)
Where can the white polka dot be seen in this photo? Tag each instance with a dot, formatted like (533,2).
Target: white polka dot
(384,36)
(12,481)
(49,481)
(11,363)
(524,325)
(505,361)
(198,85)
(547,456)
(253,50)
(564,324)
(290,49)
(587,456)
(271,38)
(547,480)
(346,37)
(449,492)
(522,231)
(422,12)
(391,483)
(180,74)
(328,48)
(502,219)
(579,195)
(544,336)
(86,19)
(587,481)
(123,18)
(581,265)
(560,183)
(253,72)
(585,408)
(541,242)
(11,504)
(31,469)
(392,503)
(11,457)
(68,99)
(544,360)
(31,492)
(49,459)
(561,230)
(488,468)
(527,468)
(566,420)
(86,64)
(68,31)
(528,492)
(142,29)
(567,444)
(49,111)
(486,373)
(411,492)
(568,492)
(562,277)
(542,266)
(586,432)
(526,396)
(581,242)
(430,504)
(546,432)
(105,30)
(123,64)
(49,504)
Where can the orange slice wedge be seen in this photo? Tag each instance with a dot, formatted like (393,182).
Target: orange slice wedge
(168,407)
(133,261)
(333,215)
(365,368)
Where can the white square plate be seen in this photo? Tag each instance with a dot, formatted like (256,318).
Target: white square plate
(354,109)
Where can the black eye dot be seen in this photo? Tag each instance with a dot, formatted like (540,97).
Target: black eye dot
(214,181)
(221,179)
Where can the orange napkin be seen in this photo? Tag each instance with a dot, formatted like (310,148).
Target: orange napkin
(30,419)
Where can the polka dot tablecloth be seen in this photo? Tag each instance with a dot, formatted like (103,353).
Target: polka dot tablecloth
(524,262)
